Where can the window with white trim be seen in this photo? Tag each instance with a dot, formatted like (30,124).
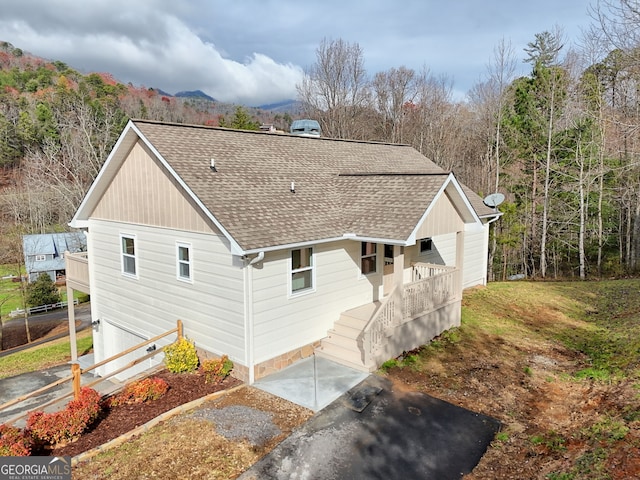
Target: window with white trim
(368,257)
(183,259)
(128,251)
(301,269)
(41,258)
(426,245)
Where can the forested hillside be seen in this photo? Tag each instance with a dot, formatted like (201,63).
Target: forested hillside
(561,142)
(57,126)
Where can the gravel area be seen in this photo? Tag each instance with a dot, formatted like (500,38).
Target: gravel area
(239,422)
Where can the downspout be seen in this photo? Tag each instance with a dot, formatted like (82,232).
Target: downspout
(249,315)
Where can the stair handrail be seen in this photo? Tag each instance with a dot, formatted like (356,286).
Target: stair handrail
(388,314)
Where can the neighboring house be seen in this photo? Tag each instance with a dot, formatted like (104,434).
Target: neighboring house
(45,253)
(271,247)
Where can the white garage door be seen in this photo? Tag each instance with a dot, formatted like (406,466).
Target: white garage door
(118,338)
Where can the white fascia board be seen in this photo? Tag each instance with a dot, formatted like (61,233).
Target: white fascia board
(450,180)
(346,236)
(288,246)
(235,247)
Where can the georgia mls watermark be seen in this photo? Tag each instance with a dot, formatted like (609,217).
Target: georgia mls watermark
(35,468)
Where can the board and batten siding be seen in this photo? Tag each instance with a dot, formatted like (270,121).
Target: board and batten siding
(143,192)
(283,322)
(442,219)
(211,308)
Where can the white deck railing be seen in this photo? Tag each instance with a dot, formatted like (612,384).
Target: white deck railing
(77,270)
(433,287)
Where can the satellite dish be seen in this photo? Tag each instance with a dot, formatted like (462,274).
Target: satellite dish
(493,200)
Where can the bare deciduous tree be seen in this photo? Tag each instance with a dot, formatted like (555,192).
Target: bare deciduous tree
(334,89)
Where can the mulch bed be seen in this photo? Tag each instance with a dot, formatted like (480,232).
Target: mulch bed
(121,419)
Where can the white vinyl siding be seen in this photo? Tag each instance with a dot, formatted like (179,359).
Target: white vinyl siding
(475,257)
(284,322)
(212,309)
(184,269)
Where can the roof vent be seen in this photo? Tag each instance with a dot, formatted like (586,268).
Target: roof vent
(293,187)
(213,165)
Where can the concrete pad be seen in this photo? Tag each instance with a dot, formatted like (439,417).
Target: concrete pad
(397,435)
(313,382)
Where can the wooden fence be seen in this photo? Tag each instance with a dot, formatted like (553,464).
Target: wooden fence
(76,372)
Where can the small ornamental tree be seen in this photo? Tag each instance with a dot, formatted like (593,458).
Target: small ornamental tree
(42,291)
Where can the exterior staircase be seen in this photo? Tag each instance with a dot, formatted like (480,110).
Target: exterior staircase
(341,344)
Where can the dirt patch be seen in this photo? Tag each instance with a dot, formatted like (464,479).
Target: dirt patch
(218,440)
(552,422)
(14,333)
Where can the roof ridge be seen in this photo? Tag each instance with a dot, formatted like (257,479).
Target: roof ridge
(373,174)
(259,132)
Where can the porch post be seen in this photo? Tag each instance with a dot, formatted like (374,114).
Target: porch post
(398,266)
(71,311)
(460,259)
(398,281)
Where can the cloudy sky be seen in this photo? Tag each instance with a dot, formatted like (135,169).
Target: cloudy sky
(254,51)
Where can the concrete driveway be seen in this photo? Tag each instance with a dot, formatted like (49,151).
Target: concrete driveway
(376,432)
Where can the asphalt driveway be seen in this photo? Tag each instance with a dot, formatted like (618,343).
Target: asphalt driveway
(376,432)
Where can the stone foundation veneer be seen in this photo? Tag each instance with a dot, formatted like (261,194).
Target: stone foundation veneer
(270,366)
(281,361)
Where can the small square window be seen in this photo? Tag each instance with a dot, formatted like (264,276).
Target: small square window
(426,245)
(41,258)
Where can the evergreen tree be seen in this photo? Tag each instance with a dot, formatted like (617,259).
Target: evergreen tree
(241,121)
(42,291)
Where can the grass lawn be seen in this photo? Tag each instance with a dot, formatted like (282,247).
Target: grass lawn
(41,357)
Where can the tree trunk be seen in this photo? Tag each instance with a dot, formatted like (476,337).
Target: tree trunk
(547,175)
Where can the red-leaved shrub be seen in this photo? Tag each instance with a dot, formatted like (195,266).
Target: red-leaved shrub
(67,424)
(140,391)
(216,369)
(14,442)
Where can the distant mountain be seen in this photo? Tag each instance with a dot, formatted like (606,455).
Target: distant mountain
(288,106)
(195,94)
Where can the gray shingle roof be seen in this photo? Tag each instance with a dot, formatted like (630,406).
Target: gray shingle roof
(250,195)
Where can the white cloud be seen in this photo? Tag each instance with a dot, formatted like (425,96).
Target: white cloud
(145,47)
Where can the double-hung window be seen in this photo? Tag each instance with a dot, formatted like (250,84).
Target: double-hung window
(183,259)
(301,269)
(368,258)
(129,259)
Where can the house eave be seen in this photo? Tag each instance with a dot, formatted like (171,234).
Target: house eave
(308,243)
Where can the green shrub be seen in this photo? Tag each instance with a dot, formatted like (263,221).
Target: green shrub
(67,424)
(216,369)
(140,391)
(181,356)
